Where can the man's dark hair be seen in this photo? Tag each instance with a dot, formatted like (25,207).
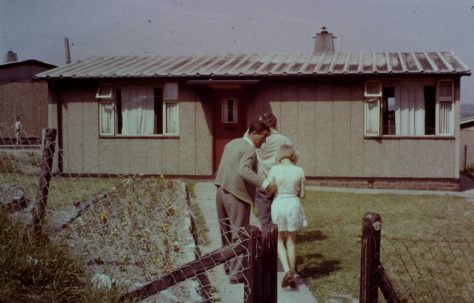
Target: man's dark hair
(269,119)
(258,126)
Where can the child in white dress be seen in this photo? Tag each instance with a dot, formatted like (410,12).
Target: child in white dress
(287,211)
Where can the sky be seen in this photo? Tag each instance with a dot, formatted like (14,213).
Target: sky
(35,29)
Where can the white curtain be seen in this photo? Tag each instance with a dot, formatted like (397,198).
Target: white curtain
(410,113)
(137,111)
(107,118)
(445,108)
(171,118)
(372,117)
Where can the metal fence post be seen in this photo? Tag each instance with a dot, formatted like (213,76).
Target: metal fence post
(45,177)
(370,258)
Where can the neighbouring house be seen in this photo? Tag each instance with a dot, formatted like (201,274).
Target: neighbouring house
(21,96)
(381,119)
(467,143)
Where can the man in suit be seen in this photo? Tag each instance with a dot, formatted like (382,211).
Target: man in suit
(236,182)
(266,156)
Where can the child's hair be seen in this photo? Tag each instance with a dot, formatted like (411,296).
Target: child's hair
(287,152)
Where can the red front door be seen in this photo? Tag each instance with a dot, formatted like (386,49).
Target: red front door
(229,120)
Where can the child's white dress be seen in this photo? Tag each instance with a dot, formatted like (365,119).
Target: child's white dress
(287,211)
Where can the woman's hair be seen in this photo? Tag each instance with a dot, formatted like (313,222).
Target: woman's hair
(269,119)
(258,126)
(287,152)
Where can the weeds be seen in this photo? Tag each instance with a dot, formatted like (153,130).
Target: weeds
(41,270)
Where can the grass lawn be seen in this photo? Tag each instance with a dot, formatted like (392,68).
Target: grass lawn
(63,191)
(329,248)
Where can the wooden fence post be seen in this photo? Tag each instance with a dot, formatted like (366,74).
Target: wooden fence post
(45,177)
(370,258)
(253,274)
(270,264)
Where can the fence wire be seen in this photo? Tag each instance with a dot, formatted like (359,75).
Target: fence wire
(430,270)
(124,231)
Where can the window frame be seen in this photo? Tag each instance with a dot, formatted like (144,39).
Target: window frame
(165,120)
(368,99)
(109,87)
(235,110)
(367,117)
(367,94)
(170,91)
(377,97)
(440,99)
(114,109)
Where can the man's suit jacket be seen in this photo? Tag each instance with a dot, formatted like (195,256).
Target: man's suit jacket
(237,170)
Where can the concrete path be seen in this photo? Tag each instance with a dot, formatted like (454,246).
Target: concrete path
(205,193)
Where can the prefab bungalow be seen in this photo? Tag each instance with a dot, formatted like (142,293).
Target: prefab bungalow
(385,119)
(21,96)
(467,143)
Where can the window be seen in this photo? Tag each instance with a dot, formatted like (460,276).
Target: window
(372,117)
(229,111)
(372,94)
(389,108)
(408,108)
(104,91)
(107,118)
(373,88)
(171,91)
(139,110)
(445,108)
(171,117)
(170,108)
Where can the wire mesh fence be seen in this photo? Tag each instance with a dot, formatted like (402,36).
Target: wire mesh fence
(124,233)
(430,270)
(414,269)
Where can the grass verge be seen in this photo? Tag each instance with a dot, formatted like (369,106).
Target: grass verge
(329,248)
(63,191)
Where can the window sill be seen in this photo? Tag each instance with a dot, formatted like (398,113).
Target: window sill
(426,137)
(139,137)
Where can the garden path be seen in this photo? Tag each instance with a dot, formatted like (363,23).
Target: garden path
(205,196)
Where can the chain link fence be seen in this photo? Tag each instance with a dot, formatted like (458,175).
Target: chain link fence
(414,269)
(430,270)
(127,234)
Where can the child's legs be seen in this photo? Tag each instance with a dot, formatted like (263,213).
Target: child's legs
(282,254)
(291,250)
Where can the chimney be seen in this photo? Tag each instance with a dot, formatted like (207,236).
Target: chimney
(324,42)
(11,56)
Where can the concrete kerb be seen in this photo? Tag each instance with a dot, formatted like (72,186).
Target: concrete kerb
(205,195)
(467,190)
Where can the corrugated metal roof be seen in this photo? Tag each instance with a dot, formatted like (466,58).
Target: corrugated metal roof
(444,62)
(467,120)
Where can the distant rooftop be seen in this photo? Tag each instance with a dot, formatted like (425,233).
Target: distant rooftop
(27,62)
(384,63)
